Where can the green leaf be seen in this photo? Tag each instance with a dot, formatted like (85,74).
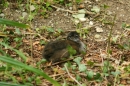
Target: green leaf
(127,47)
(59,30)
(26,67)
(116,73)
(41,61)
(120,46)
(114,39)
(124,25)
(97,76)
(128,26)
(10,84)
(17,31)
(105,6)
(18,39)
(71,50)
(42,42)
(90,63)
(82,68)
(78,77)
(50,30)
(12,23)
(106,66)
(68,64)
(127,68)
(5,68)
(90,75)
(77,60)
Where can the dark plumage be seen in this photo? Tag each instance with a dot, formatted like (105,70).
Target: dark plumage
(57,50)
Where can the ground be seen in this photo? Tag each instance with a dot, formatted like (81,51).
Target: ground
(98,26)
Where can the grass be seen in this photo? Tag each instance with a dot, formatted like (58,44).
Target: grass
(10,60)
(22,45)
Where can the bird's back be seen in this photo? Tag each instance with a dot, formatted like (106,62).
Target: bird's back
(53,47)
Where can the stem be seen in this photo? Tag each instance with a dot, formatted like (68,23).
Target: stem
(72,76)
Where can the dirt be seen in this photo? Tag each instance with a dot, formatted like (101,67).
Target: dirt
(96,48)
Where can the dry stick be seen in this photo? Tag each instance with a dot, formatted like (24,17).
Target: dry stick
(58,62)
(61,8)
(72,12)
(66,61)
(72,76)
(31,42)
(74,5)
(57,75)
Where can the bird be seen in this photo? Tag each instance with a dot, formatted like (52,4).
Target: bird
(55,51)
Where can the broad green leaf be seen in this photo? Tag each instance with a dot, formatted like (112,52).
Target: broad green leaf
(98,77)
(17,31)
(78,77)
(42,42)
(117,72)
(59,30)
(77,60)
(105,6)
(90,75)
(50,30)
(127,68)
(12,23)
(90,63)
(71,50)
(127,47)
(82,67)
(26,67)
(106,66)
(123,25)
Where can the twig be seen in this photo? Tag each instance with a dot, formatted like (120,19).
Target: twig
(74,5)
(58,62)
(61,8)
(72,12)
(57,75)
(41,37)
(72,77)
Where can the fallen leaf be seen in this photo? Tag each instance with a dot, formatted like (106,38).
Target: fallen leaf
(99,29)
(37,42)
(32,8)
(82,19)
(95,9)
(97,36)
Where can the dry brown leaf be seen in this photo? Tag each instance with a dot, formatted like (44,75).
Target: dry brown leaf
(37,42)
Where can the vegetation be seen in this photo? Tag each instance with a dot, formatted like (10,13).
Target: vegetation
(21,63)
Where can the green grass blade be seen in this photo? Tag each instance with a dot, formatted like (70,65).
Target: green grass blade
(10,84)
(22,65)
(17,51)
(12,23)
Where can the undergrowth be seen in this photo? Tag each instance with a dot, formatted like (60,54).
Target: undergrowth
(20,44)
